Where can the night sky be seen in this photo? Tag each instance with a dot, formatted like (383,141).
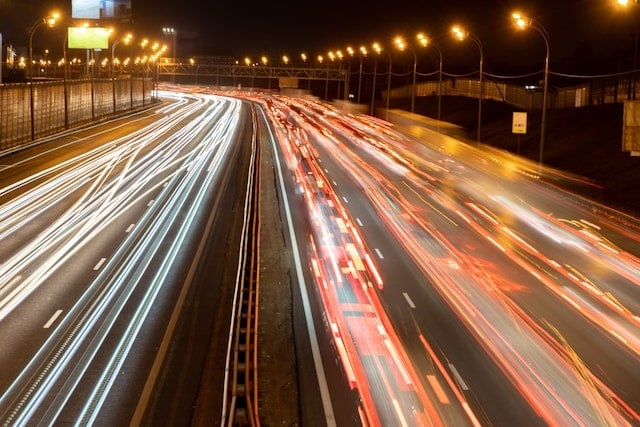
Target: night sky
(585,35)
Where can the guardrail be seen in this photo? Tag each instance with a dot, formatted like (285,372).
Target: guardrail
(240,396)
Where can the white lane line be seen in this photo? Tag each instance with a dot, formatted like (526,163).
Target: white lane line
(345,199)
(458,378)
(437,388)
(99,264)
(359,222)
(409,300)
(379,253)
(335,183)
(52,319)
(129,228)
(150,202)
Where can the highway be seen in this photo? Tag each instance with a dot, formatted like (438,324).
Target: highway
(436,283)
(462,286)
(109,235)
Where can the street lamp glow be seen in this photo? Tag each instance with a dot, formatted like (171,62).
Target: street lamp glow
(247,61)
(520,20)
(285,59)
(303,56)
(400,43)
(459,33)
(423,40)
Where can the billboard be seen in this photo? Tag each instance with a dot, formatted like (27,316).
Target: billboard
(88,38)
(119,10)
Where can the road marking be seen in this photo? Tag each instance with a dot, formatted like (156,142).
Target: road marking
(379,253)
(335,183)
(130,227)
(458,378)
(617,335)
(150,202)
(409,300)
(345,199)
(52,319)
(437,388)
(359,222)
(99,264)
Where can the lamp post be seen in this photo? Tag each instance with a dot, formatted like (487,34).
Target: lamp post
(363,53)
(524,22)
(339,56)
(326,83)
(461,34)
(376,49)
(51,21)
(402,45)
(332,57)
(304,58)
(426,41)
(170,31)
(126,39)
(386,113)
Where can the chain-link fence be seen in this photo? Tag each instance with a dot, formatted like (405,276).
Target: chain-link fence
(29,111)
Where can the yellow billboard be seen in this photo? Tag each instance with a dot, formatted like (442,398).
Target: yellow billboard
(87,38)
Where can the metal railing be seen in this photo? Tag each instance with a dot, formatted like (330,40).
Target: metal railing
(59,105)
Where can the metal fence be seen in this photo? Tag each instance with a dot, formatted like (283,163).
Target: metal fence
(593,92)
(29,111)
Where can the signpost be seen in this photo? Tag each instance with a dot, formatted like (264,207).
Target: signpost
(519,125)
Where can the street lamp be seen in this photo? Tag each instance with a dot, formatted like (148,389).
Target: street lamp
(51,21)
(524,22)
(386,113)
(426,41)
(339,56)
(462,34)
(326,84)
(377,49)
(304,58)
(126,39)
(169,31)
(363,54)
(402,45)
